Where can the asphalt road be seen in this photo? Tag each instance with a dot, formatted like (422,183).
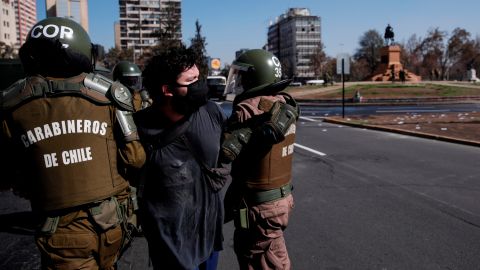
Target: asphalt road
(363,200)
(377,200)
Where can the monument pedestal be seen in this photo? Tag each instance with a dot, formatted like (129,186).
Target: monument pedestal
(390,60)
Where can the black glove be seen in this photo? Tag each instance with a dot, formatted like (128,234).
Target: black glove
(233,143)
(281,117)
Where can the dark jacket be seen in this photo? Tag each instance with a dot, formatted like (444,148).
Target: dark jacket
(182,215)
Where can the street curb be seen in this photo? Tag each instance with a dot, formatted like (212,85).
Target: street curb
(404,132)
(389,101)
(348,104)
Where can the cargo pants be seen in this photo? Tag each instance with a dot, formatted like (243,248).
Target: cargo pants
(262,245)
(84,240)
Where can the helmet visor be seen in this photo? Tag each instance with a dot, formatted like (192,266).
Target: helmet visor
(234,81)
(133,82)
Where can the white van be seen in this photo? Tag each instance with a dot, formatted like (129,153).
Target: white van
(314,82)
(216,86)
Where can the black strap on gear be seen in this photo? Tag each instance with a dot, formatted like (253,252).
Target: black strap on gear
(38,86)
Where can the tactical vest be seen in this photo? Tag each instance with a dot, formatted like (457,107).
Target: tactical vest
(265,167)
(67,139)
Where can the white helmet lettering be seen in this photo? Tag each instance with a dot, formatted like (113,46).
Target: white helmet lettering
(275,60)
(66,32)
(51,31)
(278,68)
(50,35)
(33,34)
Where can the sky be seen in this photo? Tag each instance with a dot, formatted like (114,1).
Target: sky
(230,25)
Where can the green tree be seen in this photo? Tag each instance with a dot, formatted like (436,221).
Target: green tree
(471,54)
(114,55)
(432,50)
(410,57)
(458,45)
(288,68)
(447,54)
(169,33)
(359,69)
(318,61)
(198,45)
(370,43)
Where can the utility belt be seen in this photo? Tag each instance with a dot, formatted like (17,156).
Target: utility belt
(106,214)
(255,197)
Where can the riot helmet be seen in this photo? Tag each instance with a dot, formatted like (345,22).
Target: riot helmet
(254,73)
(57,47)
(128,74)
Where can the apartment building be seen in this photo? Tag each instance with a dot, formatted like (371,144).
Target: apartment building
(142,20)
(8,29)
(76,10)
(294,38)
(26,17)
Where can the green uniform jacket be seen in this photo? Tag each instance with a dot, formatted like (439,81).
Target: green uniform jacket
(67,148)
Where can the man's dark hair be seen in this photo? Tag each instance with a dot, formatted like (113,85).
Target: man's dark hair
(164,69)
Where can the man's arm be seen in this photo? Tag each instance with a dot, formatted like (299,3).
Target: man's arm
(129,147)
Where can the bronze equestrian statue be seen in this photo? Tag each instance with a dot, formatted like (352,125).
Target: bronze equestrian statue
(389,35)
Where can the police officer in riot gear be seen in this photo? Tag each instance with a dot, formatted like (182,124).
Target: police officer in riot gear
(259,140)
(71,134)
(129,74)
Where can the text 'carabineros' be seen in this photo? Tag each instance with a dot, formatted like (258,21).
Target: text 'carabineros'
(61,128)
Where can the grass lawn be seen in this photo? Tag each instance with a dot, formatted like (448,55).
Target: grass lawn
(404,90)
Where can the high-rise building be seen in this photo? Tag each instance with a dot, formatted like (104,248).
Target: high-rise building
(26,17)
(142,21)
(294,38)
(116,28)
(76,10)
(8,29)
